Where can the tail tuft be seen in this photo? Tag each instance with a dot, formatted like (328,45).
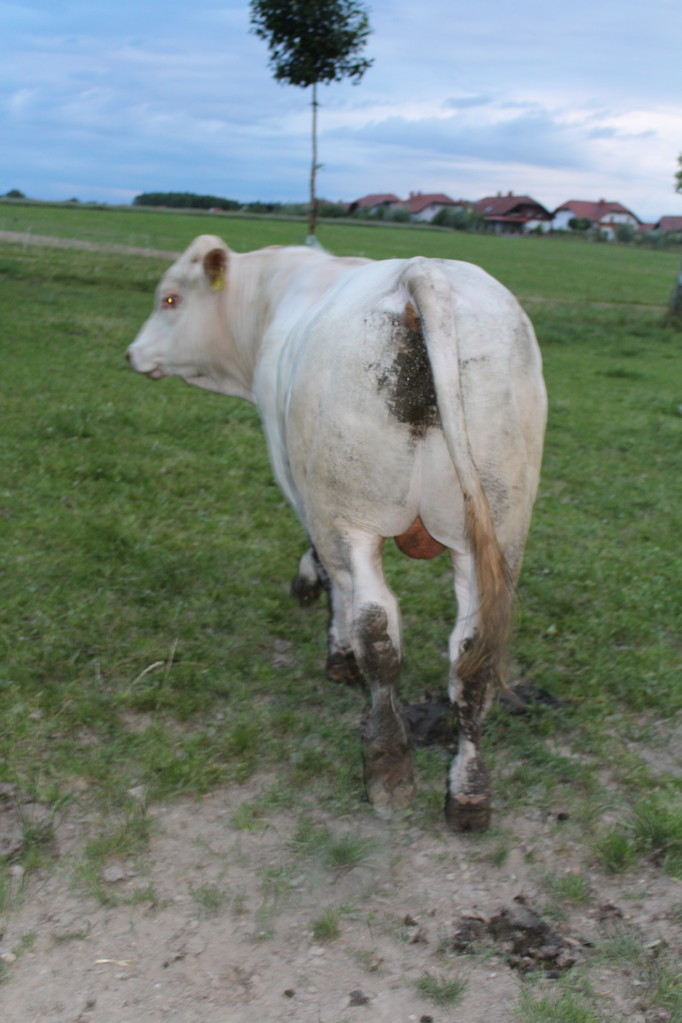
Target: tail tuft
(496,597)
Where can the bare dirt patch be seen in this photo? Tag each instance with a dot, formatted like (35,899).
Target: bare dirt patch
(214,923)
(27,238)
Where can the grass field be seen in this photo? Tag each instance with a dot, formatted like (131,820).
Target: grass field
(567,269)
(147,635)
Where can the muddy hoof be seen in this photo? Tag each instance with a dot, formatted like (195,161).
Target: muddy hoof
(389,780)
(305,591)
(467,813)
(343,667)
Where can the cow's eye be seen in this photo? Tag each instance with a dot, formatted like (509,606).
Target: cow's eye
(170,301)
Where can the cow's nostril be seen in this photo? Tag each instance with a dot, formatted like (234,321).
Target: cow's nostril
(129,357)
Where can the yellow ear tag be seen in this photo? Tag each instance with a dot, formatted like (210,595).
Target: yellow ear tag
(219,283)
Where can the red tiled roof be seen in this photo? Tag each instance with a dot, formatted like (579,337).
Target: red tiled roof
(594,211)
(669,224)
(419,201)
(505,205)
(368,201)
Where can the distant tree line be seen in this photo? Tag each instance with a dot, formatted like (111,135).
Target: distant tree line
(185,200)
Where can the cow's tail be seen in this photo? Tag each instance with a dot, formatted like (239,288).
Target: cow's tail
(433,309)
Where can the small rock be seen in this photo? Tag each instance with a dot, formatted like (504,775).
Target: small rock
(358,997)
(113,874)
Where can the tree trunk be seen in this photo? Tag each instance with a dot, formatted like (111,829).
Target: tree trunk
(673,317)
(312,215)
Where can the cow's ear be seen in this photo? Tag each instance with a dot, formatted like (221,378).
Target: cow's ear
(215,268)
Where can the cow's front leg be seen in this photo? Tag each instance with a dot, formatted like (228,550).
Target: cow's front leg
(310,579)
(307,585)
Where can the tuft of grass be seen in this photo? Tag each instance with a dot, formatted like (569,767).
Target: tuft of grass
(558,1006)
(568,887)
(347,851)
(653,830)
(26,943)
(6,888)
(326,926)
(209,898)
(128,839)
(615,850)
(445,992)
(38,844)
(663,986)
(498,854)
(343,852)
(657,832)
(618,946)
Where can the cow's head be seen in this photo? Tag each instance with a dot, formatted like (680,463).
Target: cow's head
(187,334)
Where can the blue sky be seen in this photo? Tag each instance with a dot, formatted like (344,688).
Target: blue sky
(557,100)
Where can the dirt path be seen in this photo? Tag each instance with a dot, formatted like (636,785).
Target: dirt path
(27,238)
(216,924)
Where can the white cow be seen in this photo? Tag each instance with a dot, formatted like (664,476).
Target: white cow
(400,398)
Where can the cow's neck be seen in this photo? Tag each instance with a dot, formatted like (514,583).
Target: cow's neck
(263,296)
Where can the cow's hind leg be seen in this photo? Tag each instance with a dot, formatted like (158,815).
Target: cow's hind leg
(467,803)
(372,613)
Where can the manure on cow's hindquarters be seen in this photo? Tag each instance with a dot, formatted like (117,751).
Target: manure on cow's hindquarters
(408,383)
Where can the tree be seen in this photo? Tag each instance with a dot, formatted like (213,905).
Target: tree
(185,200)
(313,42)
(674,314)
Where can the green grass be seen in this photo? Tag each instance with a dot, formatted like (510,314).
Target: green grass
(209,899)
(560,1005)
(318,844)
(147,552)
(653,829)
(326,927)
(446,992)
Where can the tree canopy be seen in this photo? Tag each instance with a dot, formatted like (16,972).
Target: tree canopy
(185,200)
(313,41)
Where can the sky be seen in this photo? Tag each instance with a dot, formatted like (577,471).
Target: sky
(556,100)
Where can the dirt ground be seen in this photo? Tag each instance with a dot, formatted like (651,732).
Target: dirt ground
(215,924)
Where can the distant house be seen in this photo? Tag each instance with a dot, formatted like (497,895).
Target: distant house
(424,207)
(513,214)
(666,225)
(603,215)
(373,203)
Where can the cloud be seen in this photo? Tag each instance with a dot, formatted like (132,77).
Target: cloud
(530,136)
